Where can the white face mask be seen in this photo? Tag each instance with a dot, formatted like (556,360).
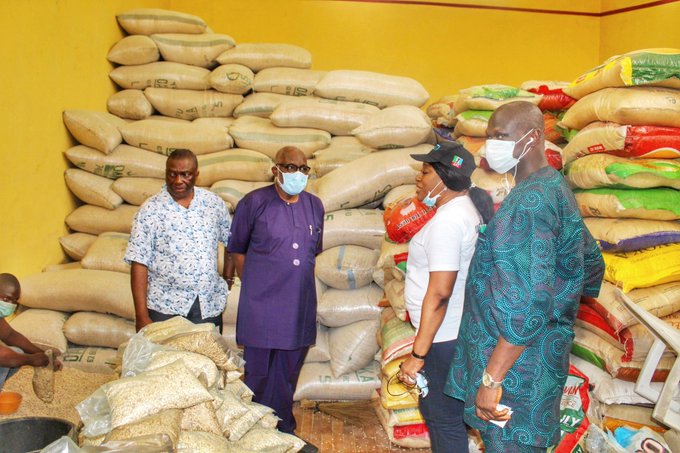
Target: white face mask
(499,153)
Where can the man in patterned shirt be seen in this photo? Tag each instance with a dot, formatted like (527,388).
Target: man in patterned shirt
(173,249)
(530,267)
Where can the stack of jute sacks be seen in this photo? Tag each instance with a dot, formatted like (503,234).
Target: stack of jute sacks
(622,161)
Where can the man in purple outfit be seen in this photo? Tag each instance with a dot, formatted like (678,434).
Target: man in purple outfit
(275,237)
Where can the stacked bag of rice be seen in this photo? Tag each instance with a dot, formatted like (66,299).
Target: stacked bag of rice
(622,162)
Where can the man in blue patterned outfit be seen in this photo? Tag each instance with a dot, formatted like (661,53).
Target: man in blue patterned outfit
(530,267)
(173,249)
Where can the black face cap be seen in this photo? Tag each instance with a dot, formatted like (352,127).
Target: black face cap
(449,154)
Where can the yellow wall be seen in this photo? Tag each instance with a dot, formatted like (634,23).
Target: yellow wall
(54,59)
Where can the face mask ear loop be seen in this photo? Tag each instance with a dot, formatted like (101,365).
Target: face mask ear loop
(524,153)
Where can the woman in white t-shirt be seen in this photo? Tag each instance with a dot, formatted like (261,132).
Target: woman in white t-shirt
(438,259)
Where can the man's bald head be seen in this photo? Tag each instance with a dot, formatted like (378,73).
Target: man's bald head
(9,287)
(289,153)
(519,116)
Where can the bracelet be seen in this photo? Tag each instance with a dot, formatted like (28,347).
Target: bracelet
(418,356)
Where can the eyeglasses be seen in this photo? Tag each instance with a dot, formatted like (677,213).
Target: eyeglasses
(292,168)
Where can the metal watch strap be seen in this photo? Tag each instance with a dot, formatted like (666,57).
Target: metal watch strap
(489,382)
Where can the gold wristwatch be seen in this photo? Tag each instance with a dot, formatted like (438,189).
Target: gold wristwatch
(488,382)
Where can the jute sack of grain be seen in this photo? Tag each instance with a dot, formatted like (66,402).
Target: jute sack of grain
(381,90)
(399,193)
(261,135)
(129,104)
(96,220)
(107,253)
(496,185)
(397,336)
(472,144)
(410,436)
(123,161)
(472,123)
(627,235)
(92,189)
(147,21)
(192,104)
(98,130)
(336,117)
(637,106)
(653,204)
(232,78)
(76,244)
(44,328)
(259,56)
(394,127)
(317,383)
(91,360)
(289,81)
(363,227)
(346,266)
(231,190)
(341,151)
(165,137)
(368,178)
(260,104)
(135,191)
(241,164)
(79,290)
(194,49)
(97,329)
(61,267)
(553,96)
(339,308)
(643,268)
(162,74)
(443,112)
(353,346)
(134,50)
(168,119)
(649,142)
(222,122)
(394,292)
(490,97)
(604,170)
(320,352)
(658,67)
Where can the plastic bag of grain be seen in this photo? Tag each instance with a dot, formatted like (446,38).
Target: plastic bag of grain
(339,308)
(231,191)
(98,329)
(368,178)
(397,336)
(165,137)
(637,106)
(43,328)
(362,227)
(260,439)
(129,104)
(260,104)
(161,74)
(604,170)
(91,360)
(405,218)
(335,117)
(164,422)
(472,123)
(659,67)
(194,49)
(381,90)
(261,135)
(320,351)
(240,426)
(340,151)
(147,21)
(553,96)
(201,417)
(241,164)
(136,191)
(134,50)
(346,266)
(107,253)
(195,441)
(318,383)
(97,220)
(259,56)
(198,364)
(79,290)
(574,405)
(650,142)
(123,161)
(653,204)
(353,346)
(626,235)
(643,268)
(288,81)
(76,244)
(490,97)
(192,104)
(99,130)
(232,78)
(394,127)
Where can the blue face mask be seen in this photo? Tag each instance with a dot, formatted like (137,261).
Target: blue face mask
(6,309)
(430,201)
(293,183)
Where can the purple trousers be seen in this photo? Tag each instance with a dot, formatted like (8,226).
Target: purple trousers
(272,375)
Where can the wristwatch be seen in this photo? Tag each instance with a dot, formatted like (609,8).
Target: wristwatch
(488,382)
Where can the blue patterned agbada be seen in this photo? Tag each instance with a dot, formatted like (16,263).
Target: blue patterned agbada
(531,266)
